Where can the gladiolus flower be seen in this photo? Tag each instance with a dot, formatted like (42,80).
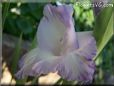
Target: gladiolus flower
(60,49)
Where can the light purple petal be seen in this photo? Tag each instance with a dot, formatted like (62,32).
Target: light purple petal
(30,59)
(69,42)
(53,26)
(45,66)
(87,44)
(65,13)
(60,48)
(76,67)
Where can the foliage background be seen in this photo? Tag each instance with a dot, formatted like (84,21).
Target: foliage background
(22,19)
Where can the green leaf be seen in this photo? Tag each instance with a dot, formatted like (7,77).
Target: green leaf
(15,59)
(5,12)
(34,43)
(21,81)
(36,10)
(24,25)
(62,81)
(35,81)
(16,55)
(103,30)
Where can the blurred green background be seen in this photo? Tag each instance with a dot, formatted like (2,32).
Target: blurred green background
(23,18)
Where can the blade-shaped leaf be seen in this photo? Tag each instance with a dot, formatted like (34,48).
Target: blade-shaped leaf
(21,81)
(5,12)
(59,81)
(15,59)
(33,44)
(103,30)
(16,55)
(24,25)
(35,81)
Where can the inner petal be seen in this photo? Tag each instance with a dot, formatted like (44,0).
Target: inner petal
(52,29)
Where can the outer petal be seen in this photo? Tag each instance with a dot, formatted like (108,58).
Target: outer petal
(30,59)
(52,27)
(87,44)
(76,67)
(45,66)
